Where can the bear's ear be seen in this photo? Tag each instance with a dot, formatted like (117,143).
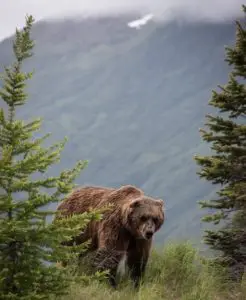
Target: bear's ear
(159,202)
(127,190)
(135,204)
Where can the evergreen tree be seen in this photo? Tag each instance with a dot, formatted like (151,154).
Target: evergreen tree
(226,166)
(29,245)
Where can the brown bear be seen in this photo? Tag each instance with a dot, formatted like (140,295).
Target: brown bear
(125,231)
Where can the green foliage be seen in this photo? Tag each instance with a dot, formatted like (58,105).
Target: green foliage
(177,272)
(29,244)
(227,164)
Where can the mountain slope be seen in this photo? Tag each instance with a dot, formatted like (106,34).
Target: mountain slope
(131,102)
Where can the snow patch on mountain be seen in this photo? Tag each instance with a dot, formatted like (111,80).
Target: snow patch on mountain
(140,22)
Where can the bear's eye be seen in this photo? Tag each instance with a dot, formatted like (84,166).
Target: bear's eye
(143,218)
(155,220)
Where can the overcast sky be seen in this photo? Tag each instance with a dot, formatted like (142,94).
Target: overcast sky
(13,12)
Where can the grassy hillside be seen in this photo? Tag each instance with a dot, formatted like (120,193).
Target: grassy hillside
(175,273)
(131,102)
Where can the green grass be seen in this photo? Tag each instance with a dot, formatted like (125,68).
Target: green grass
(175,273)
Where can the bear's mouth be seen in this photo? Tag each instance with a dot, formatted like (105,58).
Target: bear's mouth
(145,236)
(148,235)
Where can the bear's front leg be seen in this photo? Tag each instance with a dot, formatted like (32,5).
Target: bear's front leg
(113,242)
(137,269)
(108,260)
(138,255)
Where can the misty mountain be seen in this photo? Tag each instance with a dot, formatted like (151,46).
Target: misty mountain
(131,102)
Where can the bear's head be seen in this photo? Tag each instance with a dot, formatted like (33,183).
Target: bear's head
(143,216)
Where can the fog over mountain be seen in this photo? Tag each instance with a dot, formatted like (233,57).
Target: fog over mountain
(12,12)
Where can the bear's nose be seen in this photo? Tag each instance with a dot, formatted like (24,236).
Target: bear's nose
(149,234)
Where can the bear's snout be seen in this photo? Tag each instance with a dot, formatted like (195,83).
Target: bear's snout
(149,234)
(148,229)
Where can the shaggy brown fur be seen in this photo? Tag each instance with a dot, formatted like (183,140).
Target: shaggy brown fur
(127,228)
